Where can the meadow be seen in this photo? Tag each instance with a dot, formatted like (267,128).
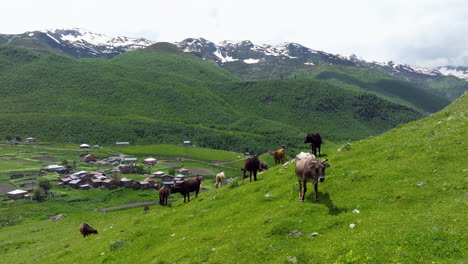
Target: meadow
(395,198)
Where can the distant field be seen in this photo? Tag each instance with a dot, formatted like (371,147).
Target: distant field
(196,153)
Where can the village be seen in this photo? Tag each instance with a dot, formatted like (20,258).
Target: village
(108,179)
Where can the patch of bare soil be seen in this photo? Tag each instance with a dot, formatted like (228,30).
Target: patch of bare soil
(172,164)
(200,171)
(46,159)
(6,187)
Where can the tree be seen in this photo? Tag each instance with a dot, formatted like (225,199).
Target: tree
(37,194)
(8,138)
(45,184)
(18,138)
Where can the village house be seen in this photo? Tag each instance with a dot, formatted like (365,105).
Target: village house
(187,143)
(74,183)
(17,194)
(126,182)
(85,146)
(150,161)
(126,169)
(84,187)
(130,160)
(30,140)
(53,168)
(88,158)
(122,144)
(144,185)
(179,178)
(157,174)
(167,180)
(96,183)
(183,171)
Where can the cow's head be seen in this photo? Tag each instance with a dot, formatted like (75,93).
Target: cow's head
(317,167)
(308,139)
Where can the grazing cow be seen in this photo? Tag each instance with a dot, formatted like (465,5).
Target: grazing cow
(164,193)
(315,141)
(146,208)
(309,169)
(220,178)
(263,166)
(279,155)
(252,165)
(87,230)
(190,185)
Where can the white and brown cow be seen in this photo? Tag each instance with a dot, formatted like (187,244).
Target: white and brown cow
(308,168)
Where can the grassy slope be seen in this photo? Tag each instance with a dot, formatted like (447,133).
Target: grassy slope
(160,95)
(317,106)
(399,222)
(373,81)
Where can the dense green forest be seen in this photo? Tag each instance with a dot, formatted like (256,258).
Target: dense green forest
(162,95)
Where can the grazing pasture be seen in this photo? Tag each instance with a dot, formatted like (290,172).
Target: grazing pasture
(372,210)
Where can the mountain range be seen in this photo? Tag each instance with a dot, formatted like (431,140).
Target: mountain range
(77,86)
(81,43)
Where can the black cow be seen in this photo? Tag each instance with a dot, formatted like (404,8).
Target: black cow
(251,165)
(315,141)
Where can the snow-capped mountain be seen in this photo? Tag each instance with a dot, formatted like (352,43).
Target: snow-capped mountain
(269,61)
(295,56)
(84,44)
(457,71)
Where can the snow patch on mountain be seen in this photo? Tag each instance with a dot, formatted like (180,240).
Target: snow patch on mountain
(251,61)
(223,58)
(460,72)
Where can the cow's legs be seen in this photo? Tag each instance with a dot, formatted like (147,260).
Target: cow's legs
(255,175)
(316,192)
(304,189)
(300,190)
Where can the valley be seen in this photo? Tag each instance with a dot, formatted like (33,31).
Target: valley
(394,135)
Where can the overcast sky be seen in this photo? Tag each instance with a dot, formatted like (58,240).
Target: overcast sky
(428,33)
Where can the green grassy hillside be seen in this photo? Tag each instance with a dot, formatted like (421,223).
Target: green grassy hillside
(409,186)
(340,114)
(381,84)
(162,95)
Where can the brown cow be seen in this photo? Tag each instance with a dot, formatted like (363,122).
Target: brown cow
(252,165)
(87,230)
(263,166)
(190,185)
(279,155)
(309,169)
(164,193)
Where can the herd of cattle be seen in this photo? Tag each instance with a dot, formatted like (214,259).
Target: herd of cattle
(308,168)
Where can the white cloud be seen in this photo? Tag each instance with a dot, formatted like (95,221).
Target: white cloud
(416,32)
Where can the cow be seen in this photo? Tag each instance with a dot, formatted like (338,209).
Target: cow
(315,141)
(252,165)
(263,166)
(185,187)
(146,208)
(220,178)
(164,193)
(279,155)
(87,230)
(308,168)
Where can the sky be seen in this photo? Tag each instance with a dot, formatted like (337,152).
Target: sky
(419,32)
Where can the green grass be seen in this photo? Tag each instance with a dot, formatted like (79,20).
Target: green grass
(399,221)
(159,96)
(197,153)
